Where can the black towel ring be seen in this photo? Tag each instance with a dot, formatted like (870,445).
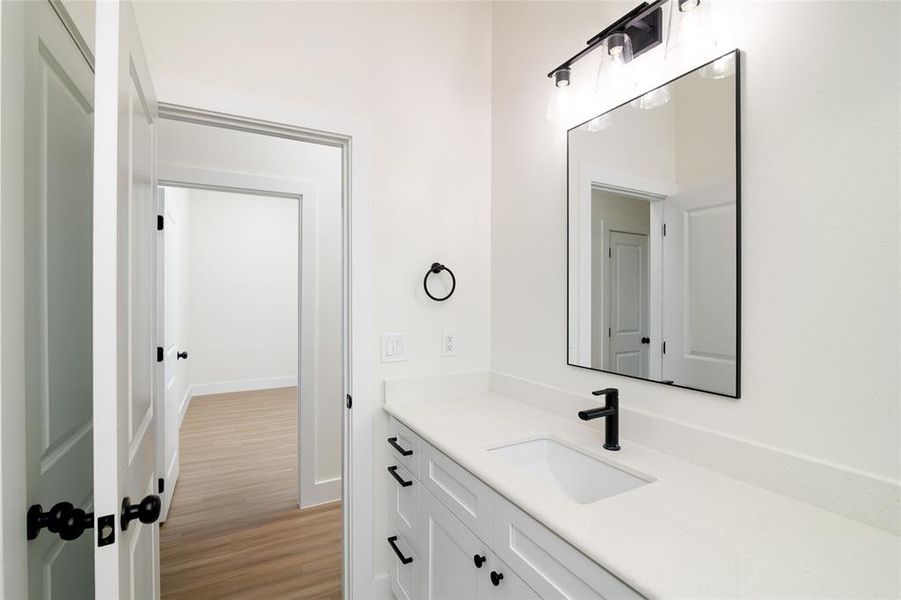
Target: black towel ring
(437,268)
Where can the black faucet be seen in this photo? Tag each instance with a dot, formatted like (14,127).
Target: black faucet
(610,411)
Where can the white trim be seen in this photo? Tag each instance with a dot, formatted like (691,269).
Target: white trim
(171,478)
(242,385)
(183,408)
(591,177)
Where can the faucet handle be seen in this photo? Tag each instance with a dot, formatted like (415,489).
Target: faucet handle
(605,391)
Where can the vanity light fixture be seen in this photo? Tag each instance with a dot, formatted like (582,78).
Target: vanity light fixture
(561,77)
(688,5)
(642,27)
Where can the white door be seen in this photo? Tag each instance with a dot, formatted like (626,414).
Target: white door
(59,115)
(627,290)
(449,556)
(172,378)
(124,286)
(699,284)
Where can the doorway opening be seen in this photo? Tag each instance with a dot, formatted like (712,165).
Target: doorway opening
(250,313)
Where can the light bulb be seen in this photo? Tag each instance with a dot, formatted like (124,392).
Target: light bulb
(653,99)
(561,77)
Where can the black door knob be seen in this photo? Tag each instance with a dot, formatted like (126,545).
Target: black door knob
(147,511)
(496,578)
(645,340)
(181,355)
(75,523)
(479,560)
(36,519)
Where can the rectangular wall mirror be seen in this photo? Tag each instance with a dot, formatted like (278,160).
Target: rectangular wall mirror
(654,235)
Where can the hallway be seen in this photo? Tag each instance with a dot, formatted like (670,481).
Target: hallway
(234,530)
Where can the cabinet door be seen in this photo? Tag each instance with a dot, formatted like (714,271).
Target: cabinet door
(547,564)
(507,585)
(449,556)
(405,567)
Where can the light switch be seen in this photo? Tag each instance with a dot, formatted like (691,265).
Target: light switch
(394,347)
(448,343)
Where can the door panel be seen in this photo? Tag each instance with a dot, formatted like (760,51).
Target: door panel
(699,289)
(173,384)
(629,304)
(59,115)
(125,444)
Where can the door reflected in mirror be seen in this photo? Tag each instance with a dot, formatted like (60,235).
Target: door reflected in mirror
(653,234)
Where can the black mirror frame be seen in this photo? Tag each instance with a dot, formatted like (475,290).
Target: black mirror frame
(737,394)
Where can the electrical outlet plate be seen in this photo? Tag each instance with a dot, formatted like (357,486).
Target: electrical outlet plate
(394,347)
(448,343)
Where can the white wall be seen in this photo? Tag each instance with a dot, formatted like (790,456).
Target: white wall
(820,184)
(242,309)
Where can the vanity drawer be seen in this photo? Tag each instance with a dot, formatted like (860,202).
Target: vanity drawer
(546,563)
(464,495)
(405,446)
(405,567)
(404,502)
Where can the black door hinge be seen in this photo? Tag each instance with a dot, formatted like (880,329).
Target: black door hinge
(664,347)
(159,223)
(664,229)
(350,401)
(160,485)
(609,252)
(159,354)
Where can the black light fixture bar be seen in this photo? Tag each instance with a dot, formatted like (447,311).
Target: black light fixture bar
(643,24)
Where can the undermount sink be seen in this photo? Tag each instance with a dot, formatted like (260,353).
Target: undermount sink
(579,476)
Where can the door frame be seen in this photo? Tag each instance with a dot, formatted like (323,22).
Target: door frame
(309,491)
(358,577)
(580,245)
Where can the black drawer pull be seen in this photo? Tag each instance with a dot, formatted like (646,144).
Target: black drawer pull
(398,478)
(398,447)
(403,559)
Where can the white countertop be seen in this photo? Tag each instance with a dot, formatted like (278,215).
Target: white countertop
(691,533)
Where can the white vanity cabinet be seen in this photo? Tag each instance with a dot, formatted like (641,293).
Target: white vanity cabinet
(453,537)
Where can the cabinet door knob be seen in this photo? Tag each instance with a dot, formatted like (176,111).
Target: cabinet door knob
(479,560)
(496,578)
(181,355)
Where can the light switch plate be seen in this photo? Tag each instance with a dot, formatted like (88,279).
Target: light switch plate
(394,347)
(448,343)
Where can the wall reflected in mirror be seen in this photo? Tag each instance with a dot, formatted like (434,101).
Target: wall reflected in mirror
(653,242)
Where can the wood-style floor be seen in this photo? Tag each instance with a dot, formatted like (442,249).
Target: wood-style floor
(234,529)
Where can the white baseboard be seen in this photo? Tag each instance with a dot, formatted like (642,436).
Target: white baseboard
(855,494)
(242,385)
(315,493)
